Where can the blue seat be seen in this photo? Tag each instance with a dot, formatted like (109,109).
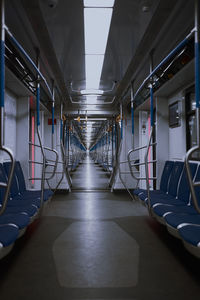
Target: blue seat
(30,210)
(190,235)
(186,206)
(8,235)
(163,211)
(176,219)
(21,220)
(20,205)
(179,190)
(22,186)
(15,200)
(163,182)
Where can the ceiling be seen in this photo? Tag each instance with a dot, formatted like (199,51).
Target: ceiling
(56,27)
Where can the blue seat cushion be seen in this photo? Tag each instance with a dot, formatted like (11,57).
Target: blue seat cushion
(175,219)
(190,234)
(21,220)
(30,210)
(166,199)
(8,234)
(23,202)
(162,209)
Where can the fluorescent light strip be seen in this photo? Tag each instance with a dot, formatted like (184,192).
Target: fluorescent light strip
(93,68)
(99,3)
(96,28)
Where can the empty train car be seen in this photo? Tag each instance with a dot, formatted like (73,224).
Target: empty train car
(100,149)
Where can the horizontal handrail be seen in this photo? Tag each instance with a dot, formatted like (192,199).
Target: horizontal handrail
(139,148)
(143,163)
(40,163)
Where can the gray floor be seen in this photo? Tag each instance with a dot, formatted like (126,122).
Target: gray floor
(89,176)
(98,245)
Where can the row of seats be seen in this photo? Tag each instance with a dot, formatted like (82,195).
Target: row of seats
(22,207)
(172,204)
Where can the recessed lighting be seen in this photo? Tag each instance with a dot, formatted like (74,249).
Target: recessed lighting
(91,92)
(96,28)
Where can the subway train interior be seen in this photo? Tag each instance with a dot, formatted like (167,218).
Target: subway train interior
(100,149)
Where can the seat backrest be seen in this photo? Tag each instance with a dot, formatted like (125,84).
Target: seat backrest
(20,177)
(197,188)
(166,175)
(184,188)
(174,178)
(14,189)
(2,179)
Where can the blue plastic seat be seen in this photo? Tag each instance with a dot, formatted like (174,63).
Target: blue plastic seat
(15,200)
(163,182)
(176,219)
(179,190)
(30,210)
(21,220)
(8,235)
(185,207)
(190,235)
(22,186)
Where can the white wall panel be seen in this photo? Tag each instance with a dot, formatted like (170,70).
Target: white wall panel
(177,135)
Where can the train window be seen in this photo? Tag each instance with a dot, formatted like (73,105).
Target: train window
(174,115)
(191,129)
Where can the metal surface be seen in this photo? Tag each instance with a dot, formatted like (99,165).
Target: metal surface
(9,180)
(2,69)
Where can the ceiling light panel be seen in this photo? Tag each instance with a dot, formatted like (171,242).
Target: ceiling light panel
(99,3)
(96,28)
(93,66)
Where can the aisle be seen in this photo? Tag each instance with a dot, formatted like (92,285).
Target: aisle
(89,176)
(98,245)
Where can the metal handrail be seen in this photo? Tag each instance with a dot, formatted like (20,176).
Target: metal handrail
(9,181)
(191,183)
(141,163)
(47,164)
(146,168)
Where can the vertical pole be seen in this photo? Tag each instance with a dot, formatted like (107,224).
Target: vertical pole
(38,92)
(2,72)
(132,112)
(197,69)
(61,122)
(53,110)
(121,116)
(112,142)
(151,90)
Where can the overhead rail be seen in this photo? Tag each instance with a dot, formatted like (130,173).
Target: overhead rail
(168,67)
(40,78)
(2,98)
(21,49)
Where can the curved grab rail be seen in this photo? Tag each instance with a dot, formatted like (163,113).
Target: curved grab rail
(46,161)
(10,176)
(139,164)
(191,183)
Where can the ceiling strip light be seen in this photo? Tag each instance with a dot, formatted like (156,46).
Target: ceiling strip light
(96,28)
(99,3)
